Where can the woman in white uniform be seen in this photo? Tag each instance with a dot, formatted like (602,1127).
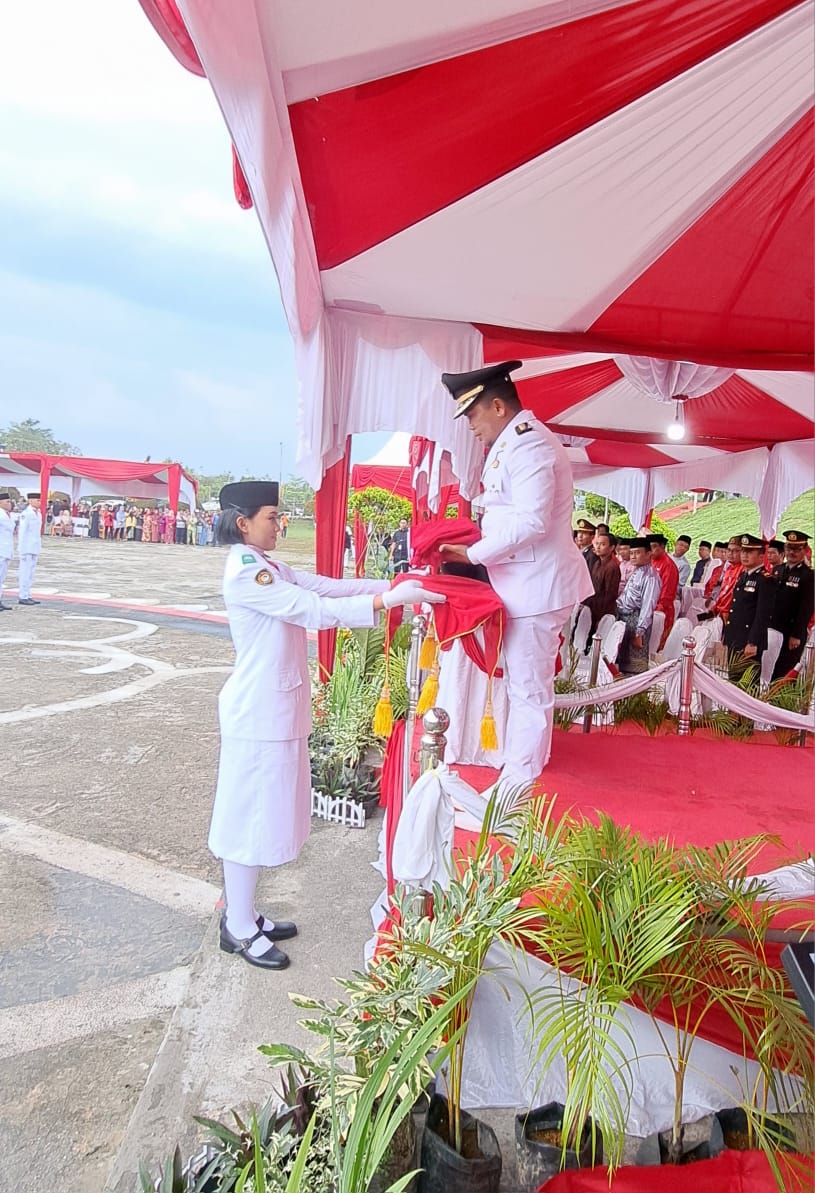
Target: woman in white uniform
(262,810)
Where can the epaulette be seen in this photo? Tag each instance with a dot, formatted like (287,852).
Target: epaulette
(522,428)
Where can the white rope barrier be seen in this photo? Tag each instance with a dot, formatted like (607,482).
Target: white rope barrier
(721,691)
(618,690)
(738,701)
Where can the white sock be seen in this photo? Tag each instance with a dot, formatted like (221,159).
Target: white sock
(239,886)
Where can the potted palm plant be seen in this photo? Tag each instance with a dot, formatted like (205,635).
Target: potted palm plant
(724,967)
(610,913)
(482,904)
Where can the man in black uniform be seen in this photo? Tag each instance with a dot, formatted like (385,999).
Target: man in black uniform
(584,537)
(400,548)
(775,555)
(753,598)
(793,601)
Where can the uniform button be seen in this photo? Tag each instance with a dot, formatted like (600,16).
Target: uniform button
(512,556)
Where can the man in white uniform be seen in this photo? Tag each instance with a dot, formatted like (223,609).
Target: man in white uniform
(29,545)
(528,551)
(6,543)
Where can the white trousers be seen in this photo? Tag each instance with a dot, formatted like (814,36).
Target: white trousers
(3,569)
(530,650)
(28,565)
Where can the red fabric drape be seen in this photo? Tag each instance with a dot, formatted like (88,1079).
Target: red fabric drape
(731,1172)
(239,184)
(426,539)
(45,481)
(330,512)
(165,18)
(360,546)
(52,467)
(391,792)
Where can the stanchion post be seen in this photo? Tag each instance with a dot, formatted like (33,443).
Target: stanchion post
(594,670)
(808,673)
(686,685)
(433,743)
(414,674)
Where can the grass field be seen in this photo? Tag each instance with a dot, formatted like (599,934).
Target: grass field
(739,515)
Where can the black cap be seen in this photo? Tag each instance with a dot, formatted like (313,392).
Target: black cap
(585,524)
(751,540)
(623,542)
(685,538)
(494,380)
(5,497)
(795,536)
(657,538)
(36,495)
(720,546)
(777,544)
(248,495)
(640,542)
(705,543)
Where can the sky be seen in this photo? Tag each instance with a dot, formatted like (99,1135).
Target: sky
(139,310)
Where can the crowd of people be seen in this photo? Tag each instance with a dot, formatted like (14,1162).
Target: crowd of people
(131,523)
(753,586)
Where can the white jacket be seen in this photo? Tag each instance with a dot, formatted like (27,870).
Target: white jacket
(527,545)
(6,535)
(29,532)
(268,695)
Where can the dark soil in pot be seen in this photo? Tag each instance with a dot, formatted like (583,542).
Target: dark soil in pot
(476,1170)
(539,1146)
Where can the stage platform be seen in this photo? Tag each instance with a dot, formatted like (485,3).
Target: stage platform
(698,790)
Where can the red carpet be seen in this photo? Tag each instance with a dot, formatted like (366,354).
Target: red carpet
(694,789)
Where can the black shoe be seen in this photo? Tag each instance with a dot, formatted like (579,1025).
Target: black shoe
(273,958)
(283,929)
(28,601)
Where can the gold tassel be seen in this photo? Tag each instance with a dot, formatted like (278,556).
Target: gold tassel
(383,714)
(489,734)
(430,692)
(427,655)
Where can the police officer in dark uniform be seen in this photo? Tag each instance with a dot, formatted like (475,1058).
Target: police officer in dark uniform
(795,593)
(775,555)
(584,537)
(745,634)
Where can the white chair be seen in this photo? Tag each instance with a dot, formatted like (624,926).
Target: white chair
(604,625)
(613,641)
(657,627)
(581,632)
(566,635)
(775,640)
(673,643)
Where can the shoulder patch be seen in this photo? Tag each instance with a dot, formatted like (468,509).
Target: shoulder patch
(248,559)
(264,576)
(522,428)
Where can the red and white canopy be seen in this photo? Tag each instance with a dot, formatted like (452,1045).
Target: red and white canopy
(443,183)
(81,477)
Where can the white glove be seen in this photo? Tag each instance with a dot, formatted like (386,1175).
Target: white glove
(412,592)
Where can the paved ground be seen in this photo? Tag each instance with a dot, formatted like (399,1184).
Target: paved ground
(119,1016)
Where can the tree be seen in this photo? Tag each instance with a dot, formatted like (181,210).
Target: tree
(210,484)
(622,527)
(595,506)
(29,436)
(297,494)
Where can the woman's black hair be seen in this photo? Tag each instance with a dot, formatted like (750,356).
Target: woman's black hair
(227,531)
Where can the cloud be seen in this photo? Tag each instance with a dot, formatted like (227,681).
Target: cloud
(139,310)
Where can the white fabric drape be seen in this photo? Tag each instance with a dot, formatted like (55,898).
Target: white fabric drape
(373,373)
(664,380)
(501,1069)
(790,472)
